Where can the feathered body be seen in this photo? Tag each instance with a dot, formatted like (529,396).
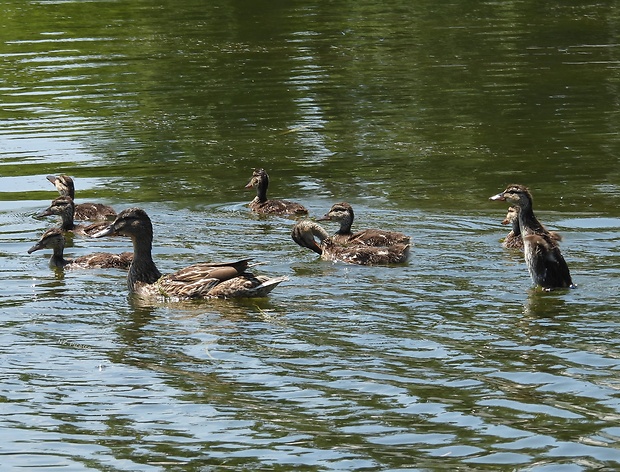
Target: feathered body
(54,239)
(544,260)
(305,231)
(202,280)
(261,204)
(64,207)
(82,211)
(343,214)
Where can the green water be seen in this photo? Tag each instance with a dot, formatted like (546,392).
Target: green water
(413,112)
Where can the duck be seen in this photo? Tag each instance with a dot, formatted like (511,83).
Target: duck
(64,207)
(513,239)
(261,204)
(54,239)
(83,211)
(201,280)
(305,231)
(546,265)
(343,213)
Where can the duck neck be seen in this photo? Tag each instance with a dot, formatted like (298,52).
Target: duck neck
(261,190)
(345,225)
(58,259)
(528,223)
(67,221)
(142,268)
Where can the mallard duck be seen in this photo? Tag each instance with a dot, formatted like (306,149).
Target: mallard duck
(260,204)
(202,280)
(513,239)
(305,231)
(55,239)
(63,207)
(343,213)
(82,211)
(544,260)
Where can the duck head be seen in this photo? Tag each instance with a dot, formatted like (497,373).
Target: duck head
(131,222)
(515,194)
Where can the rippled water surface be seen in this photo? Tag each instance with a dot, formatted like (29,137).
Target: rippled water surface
(415,113)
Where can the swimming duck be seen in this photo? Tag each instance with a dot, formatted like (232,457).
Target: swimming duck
(260,204)
(202,280)
(513,239)
(343,213)
(82,211)
(544,260)
(305,231)
(64,207)
(55,239)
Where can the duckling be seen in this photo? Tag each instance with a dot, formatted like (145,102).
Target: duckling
(544,260)
(64,207)
(260,204)
(305,231)
(55,239)
(513,239)
(82,211)
(202,280)
(343,213)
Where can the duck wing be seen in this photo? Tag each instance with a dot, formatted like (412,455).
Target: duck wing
(377,237)
(547,264)
(197,280)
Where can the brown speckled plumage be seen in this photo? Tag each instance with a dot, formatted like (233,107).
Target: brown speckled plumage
(202,280)
(544,260)
(63,207)
(82,211)
(54,239)
(261,204)
(343,214)
(305,231)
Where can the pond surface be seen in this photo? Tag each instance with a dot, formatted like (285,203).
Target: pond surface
(413,112)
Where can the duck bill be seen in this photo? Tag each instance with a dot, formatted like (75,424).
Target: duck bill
(36,247)
(107,231)
(499,197)
(43,213)
(324,218)
(51,178)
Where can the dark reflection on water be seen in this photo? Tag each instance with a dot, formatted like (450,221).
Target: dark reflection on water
(415,113)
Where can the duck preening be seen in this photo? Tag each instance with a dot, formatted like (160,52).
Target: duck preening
(261,204)
(343,214)
(64,207)
(544,260)
(54,239)
(202,280)
(305,231)
(82,211)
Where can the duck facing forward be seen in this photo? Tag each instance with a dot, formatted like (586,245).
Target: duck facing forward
(261,204)
(82,211)
(544,260)
(202,280)
(54,239)
(343,214)
(64,207)
(305,231)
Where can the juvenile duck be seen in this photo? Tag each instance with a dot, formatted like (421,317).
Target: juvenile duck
(513,239)
(64,207)
(305,231)
(544,260)
(83,211)
(343,213)
(54,239)
(202,280)
(260,204)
